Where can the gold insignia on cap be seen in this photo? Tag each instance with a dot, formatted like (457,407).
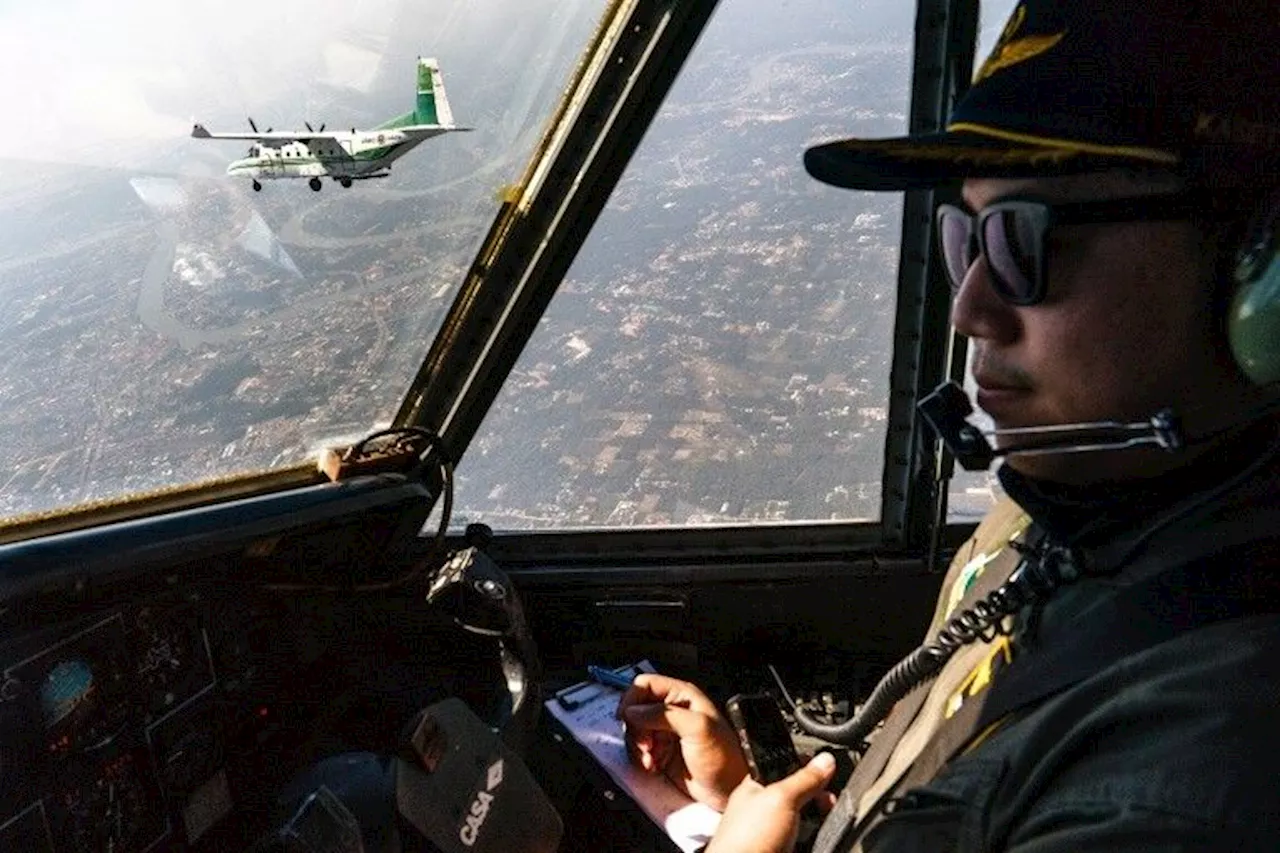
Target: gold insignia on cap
(1010,51)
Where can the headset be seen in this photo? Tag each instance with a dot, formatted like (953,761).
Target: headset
(1253,320)
(1253,334)
(1253,330)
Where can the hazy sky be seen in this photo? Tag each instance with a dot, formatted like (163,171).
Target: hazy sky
(85,73)
(93,81)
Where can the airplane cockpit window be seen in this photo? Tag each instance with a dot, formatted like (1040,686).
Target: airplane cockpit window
(174,312)
(719,351)
(551,266)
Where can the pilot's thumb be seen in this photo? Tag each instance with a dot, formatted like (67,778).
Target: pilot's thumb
(810,780)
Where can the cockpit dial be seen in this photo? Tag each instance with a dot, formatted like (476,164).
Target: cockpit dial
(171,656)
(116,809)
(68,693)
(79,689)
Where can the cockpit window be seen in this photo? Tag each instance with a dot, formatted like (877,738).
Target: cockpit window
(163,322)
(719,352)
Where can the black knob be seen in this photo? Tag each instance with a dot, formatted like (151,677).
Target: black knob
(478,535)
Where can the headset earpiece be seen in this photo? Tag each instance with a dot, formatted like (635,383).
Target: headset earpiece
(1253,320)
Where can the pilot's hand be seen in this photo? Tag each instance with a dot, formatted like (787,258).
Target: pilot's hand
(673,728)
(766,818)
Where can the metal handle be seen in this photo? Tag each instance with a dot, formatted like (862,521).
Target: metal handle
(637,603)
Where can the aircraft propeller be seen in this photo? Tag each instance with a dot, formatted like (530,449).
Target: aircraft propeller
(255,127)
(312,129)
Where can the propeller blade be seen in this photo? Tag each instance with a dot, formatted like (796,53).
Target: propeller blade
(310,129)
(269,129)
(321,128)
(252,125)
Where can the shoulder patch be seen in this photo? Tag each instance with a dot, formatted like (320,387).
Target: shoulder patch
(980,677)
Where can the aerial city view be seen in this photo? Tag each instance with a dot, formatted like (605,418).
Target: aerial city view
(719,352)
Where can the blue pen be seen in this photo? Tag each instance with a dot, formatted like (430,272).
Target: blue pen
(608,677)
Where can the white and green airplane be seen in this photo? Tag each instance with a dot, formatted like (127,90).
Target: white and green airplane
(342,156)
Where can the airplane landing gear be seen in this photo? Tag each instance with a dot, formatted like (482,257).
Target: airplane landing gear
(346,183)
(314,183)
(257,187)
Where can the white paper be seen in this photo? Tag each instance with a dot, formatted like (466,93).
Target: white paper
(689,824)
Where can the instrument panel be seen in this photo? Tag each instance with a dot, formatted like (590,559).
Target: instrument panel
(113,732)
(163,678)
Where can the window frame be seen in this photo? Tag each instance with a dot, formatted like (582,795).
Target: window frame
(542,221)
(637,54)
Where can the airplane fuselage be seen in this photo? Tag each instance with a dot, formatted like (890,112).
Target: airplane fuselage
(340,155)
(343,156)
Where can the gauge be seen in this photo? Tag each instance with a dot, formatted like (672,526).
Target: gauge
(116,808)
(188,749)
(239,634)
(79,689)
(81,705)
(68,693)
(190,754)
(171,657)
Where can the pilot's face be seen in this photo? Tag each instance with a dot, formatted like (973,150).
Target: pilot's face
(1124,330)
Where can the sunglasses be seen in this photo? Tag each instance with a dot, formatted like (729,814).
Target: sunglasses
(1012,235)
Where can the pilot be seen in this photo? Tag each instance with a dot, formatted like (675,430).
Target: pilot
(1111,253)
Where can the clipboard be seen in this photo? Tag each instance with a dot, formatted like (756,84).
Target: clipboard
(575,696)
(585,710)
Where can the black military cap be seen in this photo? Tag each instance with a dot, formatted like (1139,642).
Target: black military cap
(1187,86)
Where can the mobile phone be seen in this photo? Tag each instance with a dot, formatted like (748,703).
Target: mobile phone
(766,741)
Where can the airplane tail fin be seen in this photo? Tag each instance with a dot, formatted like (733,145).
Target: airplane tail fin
(433,105)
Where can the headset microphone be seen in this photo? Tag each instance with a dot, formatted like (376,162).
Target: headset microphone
(948,407)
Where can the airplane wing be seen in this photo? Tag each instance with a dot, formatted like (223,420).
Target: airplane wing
(201,132)
(417,134)
(429,130)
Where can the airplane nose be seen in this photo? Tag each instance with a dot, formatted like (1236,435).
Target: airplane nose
(240,167)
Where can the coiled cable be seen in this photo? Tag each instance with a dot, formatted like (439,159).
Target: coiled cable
(1044,568)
